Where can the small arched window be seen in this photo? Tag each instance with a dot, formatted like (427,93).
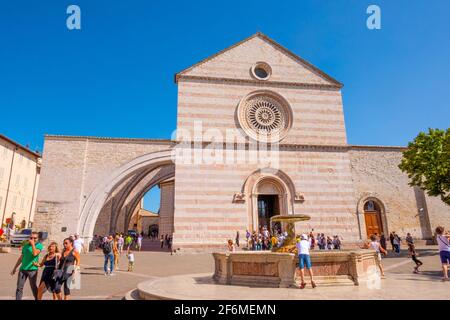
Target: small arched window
(371,206)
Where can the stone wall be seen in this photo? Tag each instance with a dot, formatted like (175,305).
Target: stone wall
(317,114)
(166,211)
(205,213)
(376,174)
(71,168)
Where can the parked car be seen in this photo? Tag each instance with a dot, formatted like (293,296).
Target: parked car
(19,237)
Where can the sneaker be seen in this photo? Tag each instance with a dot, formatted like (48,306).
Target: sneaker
(112,274)
(106,273)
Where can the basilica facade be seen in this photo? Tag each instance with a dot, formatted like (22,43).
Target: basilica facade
(260,132)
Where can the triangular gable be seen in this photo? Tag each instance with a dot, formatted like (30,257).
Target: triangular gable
(235,62)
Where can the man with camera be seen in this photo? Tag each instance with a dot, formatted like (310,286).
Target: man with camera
(28,269)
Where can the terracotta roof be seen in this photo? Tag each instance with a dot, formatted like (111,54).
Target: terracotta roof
(18,145)
(147,213)
(275,44)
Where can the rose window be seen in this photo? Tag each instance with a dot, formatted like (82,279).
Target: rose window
(265,116)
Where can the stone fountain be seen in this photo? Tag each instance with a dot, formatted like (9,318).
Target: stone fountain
(279,267)
(289,222)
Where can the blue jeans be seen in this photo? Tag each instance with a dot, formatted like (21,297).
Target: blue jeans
(304,259)
(110,257)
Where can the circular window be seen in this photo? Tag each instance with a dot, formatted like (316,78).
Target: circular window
(265,116)
(261,71)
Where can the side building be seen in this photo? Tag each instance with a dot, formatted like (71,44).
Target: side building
(19,179)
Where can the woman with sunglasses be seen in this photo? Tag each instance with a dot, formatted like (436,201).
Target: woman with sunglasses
(69,262)
(49,262)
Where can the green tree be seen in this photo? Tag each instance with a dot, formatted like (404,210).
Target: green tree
(427,163)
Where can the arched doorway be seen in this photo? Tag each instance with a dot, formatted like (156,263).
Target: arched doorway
(372,217)
(268,192)
(153,230)
(270,201)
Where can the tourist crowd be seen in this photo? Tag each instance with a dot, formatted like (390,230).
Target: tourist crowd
(61,265)
(268,240)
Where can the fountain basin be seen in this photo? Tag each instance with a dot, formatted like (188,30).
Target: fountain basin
(273,269)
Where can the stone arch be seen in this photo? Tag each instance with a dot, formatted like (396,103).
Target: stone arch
(280,183)
(375,197)
(100,195)
(136,189)
(167,173)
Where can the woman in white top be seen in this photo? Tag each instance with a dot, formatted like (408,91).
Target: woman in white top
(375,245)
(444,250)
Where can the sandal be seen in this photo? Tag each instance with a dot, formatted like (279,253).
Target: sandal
(313,284)
(302,285)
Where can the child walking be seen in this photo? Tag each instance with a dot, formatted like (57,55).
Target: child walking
(130,256)
(413,254)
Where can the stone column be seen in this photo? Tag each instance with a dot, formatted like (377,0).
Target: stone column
(166,209)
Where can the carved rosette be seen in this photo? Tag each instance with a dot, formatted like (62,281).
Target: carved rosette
(265,116)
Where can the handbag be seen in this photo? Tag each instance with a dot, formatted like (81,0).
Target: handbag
(60,274)
(57,273)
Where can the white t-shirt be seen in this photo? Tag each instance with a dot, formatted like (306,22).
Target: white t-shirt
(375,246)
(131,257)
(444,244)
(78,244)
(303,247)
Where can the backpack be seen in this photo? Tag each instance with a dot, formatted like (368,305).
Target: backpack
(107,247)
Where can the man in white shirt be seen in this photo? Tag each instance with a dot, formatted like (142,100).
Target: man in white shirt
(304,258)
(444,250)
(78,243)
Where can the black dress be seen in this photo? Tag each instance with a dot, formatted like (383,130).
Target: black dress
(47,274)
(66,264)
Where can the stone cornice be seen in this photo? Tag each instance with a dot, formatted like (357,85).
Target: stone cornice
(378,148)
(108,139)
(281,146)
(258,83)
(294,147)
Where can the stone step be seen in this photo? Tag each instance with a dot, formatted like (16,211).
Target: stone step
(325,281)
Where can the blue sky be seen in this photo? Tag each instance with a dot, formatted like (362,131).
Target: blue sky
(114,77)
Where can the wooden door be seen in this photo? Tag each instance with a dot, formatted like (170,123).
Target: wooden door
(373,223)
